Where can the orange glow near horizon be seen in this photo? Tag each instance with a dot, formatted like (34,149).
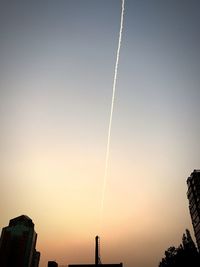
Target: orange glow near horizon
(56,74)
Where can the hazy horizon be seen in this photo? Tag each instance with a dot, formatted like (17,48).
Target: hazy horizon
(56,72)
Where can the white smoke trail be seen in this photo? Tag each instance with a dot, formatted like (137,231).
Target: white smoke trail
(112,106)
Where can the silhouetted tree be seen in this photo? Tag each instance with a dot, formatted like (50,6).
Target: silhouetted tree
(186,255)
(188,243)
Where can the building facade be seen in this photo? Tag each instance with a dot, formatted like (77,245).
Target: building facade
(193,195)
(17,244)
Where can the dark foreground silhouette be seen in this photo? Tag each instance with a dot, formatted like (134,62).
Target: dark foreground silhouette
(186,255)
(18,244)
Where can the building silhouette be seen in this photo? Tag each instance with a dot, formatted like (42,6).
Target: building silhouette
(36,258)
(193,195)
(17,244)
(52,264)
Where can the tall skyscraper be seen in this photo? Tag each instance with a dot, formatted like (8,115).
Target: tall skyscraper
(193,195)
(17,244)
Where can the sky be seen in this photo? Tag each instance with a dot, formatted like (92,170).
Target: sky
(56,75)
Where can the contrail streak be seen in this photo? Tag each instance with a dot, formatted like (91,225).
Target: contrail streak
(111,109)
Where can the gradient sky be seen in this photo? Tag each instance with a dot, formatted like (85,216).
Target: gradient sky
(57,62)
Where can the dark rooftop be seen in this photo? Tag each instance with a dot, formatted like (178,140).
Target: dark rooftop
(23,219)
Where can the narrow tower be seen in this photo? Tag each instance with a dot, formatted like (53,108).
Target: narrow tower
(97,250)
(97,258)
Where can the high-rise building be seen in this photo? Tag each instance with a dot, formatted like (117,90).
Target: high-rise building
(193,195)
(17,244)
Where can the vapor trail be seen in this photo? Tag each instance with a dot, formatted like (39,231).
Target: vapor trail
(112,106)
